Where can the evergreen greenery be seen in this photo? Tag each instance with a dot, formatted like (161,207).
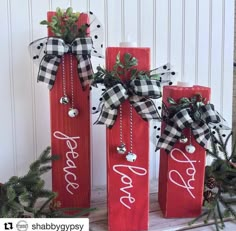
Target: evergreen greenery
(64,25)
(122,68)
(220,182)
(19,195)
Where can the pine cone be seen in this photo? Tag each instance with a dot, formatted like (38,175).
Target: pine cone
(211,182)
(209,196)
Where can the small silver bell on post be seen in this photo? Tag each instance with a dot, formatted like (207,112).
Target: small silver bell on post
(73,112)
(183,139)
(131,157)
(121,149)
(190,148)
(64,100)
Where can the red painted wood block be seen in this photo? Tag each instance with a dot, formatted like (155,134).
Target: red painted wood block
(128,183)
(70,137)
(181,176)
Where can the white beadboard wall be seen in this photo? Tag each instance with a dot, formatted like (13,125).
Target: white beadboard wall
(196,36)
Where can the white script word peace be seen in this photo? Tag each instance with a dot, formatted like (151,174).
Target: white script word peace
(126,180)
(71,155)
(190,171)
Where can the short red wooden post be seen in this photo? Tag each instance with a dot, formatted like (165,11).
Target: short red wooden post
(70,137)
(181,176)
(128,183)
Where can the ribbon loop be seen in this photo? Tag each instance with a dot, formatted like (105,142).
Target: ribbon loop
(147,88)
(139,93)
(182,119)
(55,46)
(114,96)
(55,49)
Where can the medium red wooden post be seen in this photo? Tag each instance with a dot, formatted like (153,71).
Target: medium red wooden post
(70,137)
(181,176)
(128,183)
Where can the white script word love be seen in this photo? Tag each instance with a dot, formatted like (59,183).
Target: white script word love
(190,172)
(128,182)
(71,155)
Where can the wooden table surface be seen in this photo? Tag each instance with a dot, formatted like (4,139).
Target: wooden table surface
(98,218)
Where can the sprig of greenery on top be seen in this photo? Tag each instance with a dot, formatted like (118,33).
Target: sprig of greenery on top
(220,183)
(64,25)
(122,68)
(194,103)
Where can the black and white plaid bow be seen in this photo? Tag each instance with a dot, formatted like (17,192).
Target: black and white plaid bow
(55,49)
(139,93)
(183,119)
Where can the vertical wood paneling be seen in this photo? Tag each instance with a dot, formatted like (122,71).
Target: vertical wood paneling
(81,6)
(177,36)
(227,80)
(98,156)
(203,42)
(190,24)
(22,84)
(195,36)
(41,93)
(131,27)
(162,32)
(60,3)
(7,125)
(114,25)
(216,52)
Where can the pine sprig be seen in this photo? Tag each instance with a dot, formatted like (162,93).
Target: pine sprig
(122,68)
(20,194)
(220,183)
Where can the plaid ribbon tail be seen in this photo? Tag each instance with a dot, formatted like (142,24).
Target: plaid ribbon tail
(85,70)
(173,130)
(107,116)
(201,133)
(144,107)
(169,137)
(48,69)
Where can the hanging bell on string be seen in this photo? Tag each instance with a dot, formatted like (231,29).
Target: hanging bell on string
(183,139)
(190,148)
(64,100)
(121,149)
(131,157)
(73,112)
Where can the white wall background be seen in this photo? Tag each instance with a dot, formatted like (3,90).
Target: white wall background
(196,36)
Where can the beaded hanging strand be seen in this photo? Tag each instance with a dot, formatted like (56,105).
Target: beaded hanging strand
(73,112)
(64,99)
(121,149)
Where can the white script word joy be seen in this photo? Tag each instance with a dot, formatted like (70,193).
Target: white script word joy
(128,182)
(190,172)
(71,156)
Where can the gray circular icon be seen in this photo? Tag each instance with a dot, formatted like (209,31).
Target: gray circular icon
(22,225)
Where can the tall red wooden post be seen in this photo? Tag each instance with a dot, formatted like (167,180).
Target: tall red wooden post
(128,183)
(70,137)
(181,176)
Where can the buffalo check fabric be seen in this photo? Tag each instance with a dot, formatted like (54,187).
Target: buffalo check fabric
(114,96)
(55,49)
(117,94)
(107,116)
(183,119)
(150,88)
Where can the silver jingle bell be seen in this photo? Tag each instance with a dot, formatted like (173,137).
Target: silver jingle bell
(73,112)
(64,100)
(121,149)
(190,148)
(131,157)
(183,140)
